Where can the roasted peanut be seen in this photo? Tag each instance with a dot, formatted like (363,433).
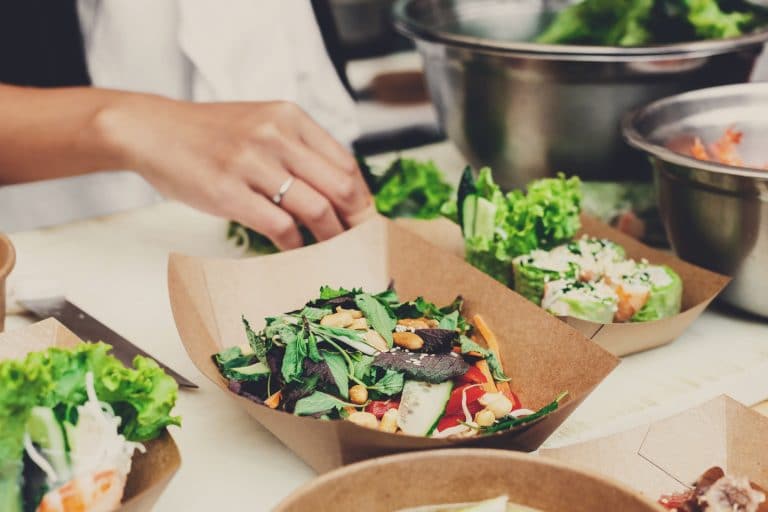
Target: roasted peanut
(408,340)
(364,419)
(354,312)
(432,323)
(497,403)
(485,418)
(358,394)
(340,319)
(375,340)
(389,421)
(414,323)
(359,324)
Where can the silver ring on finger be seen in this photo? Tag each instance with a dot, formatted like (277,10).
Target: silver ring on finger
(278,198)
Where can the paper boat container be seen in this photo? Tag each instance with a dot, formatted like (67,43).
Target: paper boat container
(151,471)
(458,476)
(667,455)
(542,355)
(700,286)
(7,261)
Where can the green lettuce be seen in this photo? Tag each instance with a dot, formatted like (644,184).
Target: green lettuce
(664,301)
(645,22)
(142,396)
(498,227)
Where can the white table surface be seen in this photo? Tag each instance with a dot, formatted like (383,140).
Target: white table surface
(115,268)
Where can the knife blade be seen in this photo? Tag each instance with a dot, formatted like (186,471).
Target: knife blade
(90,329)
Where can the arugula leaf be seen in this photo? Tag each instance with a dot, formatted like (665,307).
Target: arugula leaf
(338,367)
(390,384)
(379,317)
(319,402)
(506,424)
(467,346)
(258,343)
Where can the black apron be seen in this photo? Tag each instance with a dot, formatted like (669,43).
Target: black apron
(41,44)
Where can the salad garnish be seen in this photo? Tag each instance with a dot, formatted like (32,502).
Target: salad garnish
(371,359)
(71,421)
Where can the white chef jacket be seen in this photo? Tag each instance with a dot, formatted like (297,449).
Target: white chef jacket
(200,50)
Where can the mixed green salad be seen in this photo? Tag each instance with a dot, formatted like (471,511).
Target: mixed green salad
(648,22)
(70,422)
(369,358)
(406,188)
(526,241)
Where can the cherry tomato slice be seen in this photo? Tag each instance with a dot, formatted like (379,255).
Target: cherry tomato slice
(473,376)
(474,393)
(379,407)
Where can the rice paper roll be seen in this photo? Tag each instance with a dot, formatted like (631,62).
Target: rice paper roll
(533,271)
(666,293)
(594,256)
(595,302)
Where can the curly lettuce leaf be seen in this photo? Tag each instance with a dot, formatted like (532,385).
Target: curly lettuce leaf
(497,228)
(646,22)
(412,188)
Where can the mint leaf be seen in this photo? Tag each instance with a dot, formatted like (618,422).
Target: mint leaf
(293,360)
(327,293)
(258,343)
(378,316)
(338,367)
(314,314)
(450,321)
(318,402)
(362,366)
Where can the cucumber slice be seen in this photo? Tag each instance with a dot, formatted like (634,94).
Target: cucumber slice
(45,431)
(468,214)
(422,405)
(485,218)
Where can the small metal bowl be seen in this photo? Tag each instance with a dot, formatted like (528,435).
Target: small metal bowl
(530,109)
(715,215)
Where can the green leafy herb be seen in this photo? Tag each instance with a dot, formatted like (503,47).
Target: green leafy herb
(293,360)
(645,22)
(327,293)
(390,384)
(362,367)
(258,343)
(319,402)
(314,314)
(506,424)
(467,346)
(255,371)
(230,358)
(379,317)
(450,321)
(499,227)
(410,188)
(338,366)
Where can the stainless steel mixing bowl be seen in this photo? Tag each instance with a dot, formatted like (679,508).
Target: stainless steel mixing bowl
(715,215)
(528,109)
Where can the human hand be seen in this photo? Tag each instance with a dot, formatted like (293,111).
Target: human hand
(232,159)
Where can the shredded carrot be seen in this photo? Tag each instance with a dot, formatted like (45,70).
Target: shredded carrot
(493,346)
(273,401)
(489,385)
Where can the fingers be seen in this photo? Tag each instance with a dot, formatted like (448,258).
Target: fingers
(301,201)
(347,193)
(262,215)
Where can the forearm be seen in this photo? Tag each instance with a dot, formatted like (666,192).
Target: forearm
(52,133)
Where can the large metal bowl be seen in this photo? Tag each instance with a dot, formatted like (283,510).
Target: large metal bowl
(529,109)
(715,215)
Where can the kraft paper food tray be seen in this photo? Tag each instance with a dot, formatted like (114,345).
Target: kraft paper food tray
(462,475)
(7,261)
(700,286)
(669,455)
(150,472)
(542,355)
